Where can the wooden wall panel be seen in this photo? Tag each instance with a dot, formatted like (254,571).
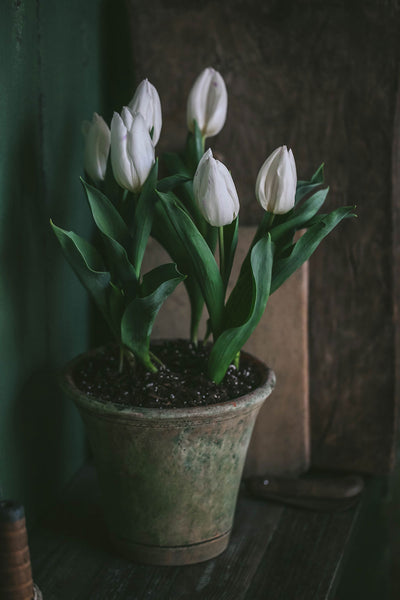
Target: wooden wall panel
(320,77)
(353,318)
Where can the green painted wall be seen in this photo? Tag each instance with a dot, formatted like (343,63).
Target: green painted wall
(55,66)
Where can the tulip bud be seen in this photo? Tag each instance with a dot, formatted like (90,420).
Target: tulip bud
(207,103)
(146,101)
(132,151)
(276,182)
(97,147)
(215,192)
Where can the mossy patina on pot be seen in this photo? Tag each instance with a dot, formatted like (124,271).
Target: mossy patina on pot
(169,478)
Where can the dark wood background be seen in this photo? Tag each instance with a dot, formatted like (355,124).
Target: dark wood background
(322,78)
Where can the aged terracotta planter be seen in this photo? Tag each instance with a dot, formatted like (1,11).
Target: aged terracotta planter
(170,478)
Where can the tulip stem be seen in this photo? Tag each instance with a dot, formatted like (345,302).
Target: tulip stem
(156,359)
(263,228)
(121,359)
(221,251)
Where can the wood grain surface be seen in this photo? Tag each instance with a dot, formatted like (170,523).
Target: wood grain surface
(274,553)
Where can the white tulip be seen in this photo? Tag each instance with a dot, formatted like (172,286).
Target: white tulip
(215,192)
(132,151)
(276,182)
(97,147)
(146,101)
(207,103)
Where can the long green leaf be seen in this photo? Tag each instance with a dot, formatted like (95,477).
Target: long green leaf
(199,261)
(306,245)
(164,233)
(117,303)
(169,183)
(254,301)
(106,216)
(318,176)
(89,268)
(157,276)
(138,318)
(143,219)
(300,215)
(175,164)
(194,149)
(305,187)
(230,233)
(116,239)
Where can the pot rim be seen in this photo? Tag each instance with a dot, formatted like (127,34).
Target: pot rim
(241,403)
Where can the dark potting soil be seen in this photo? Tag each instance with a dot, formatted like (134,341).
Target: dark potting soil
(181,381)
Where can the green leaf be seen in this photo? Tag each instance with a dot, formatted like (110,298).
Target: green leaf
(175,165)
(306,245)
(254,300)
(89,268)
(318,176)
(196,258)
(196,307)
(194,149)
(305,187)
(117,303)
(116,239)
(164,233)
(299,217)
(169,183)
(230,244)
(138,318)
(106,216)
(154,278)
(143,220)
(122,270)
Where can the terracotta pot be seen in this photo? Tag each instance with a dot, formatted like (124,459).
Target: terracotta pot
(170,478)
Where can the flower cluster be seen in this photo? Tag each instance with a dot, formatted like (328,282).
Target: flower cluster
(136,131)
(189,212)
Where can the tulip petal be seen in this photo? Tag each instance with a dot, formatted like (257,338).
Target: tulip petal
(215,192)
(196,101)
(132,151)
(97,147)
(207,103)
(140,150)
(276,182)
(216,105)
(120,160)
(146,101)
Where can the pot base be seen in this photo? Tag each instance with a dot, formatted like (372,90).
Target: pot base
(171,555)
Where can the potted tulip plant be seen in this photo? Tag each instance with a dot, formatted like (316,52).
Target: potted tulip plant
(169,423)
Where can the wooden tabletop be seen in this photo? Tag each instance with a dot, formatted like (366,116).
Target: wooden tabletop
(275,553)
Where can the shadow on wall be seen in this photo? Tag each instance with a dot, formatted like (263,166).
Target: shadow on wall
(118,75)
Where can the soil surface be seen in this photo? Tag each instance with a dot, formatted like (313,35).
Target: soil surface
(181,381)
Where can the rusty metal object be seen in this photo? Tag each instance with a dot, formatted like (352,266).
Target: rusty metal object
(170,478)
(15,564)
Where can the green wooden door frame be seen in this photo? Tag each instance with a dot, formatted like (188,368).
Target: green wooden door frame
(55,66)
